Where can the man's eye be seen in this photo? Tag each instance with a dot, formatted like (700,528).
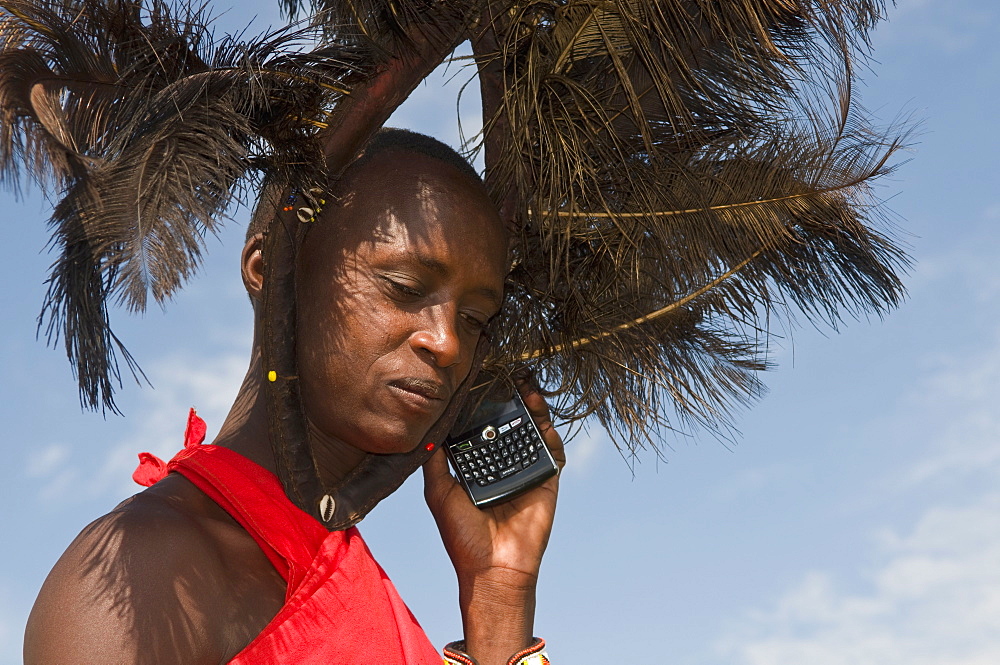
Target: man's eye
(402,289)
(474,322)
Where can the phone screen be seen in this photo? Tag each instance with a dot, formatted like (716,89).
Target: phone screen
(487,411)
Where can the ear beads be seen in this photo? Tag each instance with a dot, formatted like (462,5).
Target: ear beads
(273,376)
(290,202)
(314,199)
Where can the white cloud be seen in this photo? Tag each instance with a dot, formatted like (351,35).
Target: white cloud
(104,471)
(583,449)
(11,627)
(933,598)
(52,466)
(963,269)
(182,381)
(954,408)
(931,594)
(749,481)
(44,461)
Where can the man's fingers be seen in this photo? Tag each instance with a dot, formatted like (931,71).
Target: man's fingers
(539,410)
(437,476)
(533,400)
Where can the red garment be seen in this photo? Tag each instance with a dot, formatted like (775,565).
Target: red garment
(152,469)
(340,607)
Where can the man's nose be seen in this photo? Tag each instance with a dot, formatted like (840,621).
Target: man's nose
(438,335)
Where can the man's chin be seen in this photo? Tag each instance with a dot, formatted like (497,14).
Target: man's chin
(393,445)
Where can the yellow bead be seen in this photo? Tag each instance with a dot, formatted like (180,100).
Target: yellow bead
(272,376)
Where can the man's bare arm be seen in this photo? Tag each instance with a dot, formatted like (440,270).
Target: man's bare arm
(497,552)
(152,583)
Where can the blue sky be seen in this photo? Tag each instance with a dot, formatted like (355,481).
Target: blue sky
(856,520)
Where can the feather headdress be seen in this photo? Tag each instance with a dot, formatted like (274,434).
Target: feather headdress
(148,127)
(675,173)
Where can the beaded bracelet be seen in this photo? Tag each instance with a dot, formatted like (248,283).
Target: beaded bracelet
(454,654)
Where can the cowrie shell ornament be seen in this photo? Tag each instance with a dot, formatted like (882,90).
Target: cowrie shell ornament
(326,507)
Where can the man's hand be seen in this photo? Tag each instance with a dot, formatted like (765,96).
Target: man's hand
(496,551)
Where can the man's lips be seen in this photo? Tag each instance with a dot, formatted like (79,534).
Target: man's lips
(423,389)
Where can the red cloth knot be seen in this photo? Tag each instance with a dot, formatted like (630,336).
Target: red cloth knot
(152,469)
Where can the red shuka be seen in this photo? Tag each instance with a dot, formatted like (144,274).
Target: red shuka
(340,607)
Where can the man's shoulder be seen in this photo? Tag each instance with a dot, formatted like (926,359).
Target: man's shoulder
(149,538)
(156,575)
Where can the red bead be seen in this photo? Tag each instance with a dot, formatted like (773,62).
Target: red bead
(429,446)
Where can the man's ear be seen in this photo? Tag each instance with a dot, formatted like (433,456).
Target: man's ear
(252,266)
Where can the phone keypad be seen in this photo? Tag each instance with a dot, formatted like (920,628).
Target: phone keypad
(517,448)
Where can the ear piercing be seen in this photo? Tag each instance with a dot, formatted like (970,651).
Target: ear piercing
(314,200)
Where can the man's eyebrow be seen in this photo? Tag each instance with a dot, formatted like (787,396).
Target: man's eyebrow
(491,294)
(432,264)
(441,269)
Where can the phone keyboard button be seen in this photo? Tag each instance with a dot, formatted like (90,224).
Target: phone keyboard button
(513,469)
(516,447)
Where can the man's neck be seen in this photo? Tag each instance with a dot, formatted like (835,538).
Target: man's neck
(245,431)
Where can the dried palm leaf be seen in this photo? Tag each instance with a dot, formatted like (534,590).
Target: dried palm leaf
(677,172)
(149,127)
(662,296)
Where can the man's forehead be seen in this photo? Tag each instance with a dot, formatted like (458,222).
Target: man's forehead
(421,202)
(439,253)
(436,249)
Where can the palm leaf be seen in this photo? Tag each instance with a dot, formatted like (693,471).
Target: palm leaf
(669,307)
(150,128)
(677,173)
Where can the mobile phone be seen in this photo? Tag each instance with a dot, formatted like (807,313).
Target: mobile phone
(496,450)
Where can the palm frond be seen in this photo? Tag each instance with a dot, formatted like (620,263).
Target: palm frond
(150,128)
(392,26)
(664,308)
(678,172)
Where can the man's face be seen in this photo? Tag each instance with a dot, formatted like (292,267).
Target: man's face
(396,282)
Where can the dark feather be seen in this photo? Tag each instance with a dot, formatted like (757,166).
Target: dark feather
(150,127)
(685,158)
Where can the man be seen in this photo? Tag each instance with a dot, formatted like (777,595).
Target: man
(397,280)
